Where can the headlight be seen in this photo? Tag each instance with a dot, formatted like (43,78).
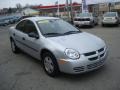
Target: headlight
(72,54)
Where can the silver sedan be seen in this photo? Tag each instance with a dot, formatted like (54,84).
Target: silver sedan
(60,46)
(110,18)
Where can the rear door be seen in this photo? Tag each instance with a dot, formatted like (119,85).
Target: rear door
(19,34)
(31,44)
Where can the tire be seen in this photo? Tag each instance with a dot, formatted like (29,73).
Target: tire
(14,48)
(76,25)
(50,64)
(96,23)
(103,25)
(117,24)
(93,24)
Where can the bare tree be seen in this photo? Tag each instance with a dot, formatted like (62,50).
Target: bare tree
(19,6)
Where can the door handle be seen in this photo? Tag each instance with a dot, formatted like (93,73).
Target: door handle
(23,38)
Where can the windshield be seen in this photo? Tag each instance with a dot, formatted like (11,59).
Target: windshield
(56,27)
(84,15)
(110,14)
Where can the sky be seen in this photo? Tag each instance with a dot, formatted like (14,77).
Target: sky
(12,3)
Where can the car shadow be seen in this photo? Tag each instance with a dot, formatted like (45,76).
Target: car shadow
(69,77)
(30,58)
(85,27)
(109,26)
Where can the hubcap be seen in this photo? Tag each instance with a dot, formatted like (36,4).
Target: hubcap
(13,45)
(48,64)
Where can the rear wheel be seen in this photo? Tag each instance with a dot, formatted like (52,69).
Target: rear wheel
(50,64)
(14,48)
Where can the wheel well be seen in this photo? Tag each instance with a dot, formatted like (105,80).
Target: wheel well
(48,51)
(44,51)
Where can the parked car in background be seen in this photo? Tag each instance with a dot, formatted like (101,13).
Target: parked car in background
(3,22)
(6,21)
(86,18)
(59,45)
(17,18)
(25,16)
(11,20)
(110,18)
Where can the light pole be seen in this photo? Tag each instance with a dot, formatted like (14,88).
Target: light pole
(67,7)
(58,11)
(109,6)
(71,9)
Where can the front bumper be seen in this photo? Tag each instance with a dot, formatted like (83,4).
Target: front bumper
(82,65)
(109,22)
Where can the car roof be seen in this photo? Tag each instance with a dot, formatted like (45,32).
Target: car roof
(37,18)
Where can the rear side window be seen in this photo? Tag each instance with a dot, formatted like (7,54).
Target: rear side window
(21,26)
(27,27)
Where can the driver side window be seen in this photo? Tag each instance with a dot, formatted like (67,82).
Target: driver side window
(30,27)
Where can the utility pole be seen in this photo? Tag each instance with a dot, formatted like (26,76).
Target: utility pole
(58,9)
(109,6)
(71,9)
(67,8)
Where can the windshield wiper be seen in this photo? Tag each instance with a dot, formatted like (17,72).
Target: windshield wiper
(72,32)
(53,34)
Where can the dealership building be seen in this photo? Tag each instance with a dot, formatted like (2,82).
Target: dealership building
(52,10)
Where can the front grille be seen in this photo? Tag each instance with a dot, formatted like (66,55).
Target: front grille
(95,65)
(82,19)
(93,58)
(79,69)
(76,19)
(102,55)
(100,50)
(94,55)
(90,53)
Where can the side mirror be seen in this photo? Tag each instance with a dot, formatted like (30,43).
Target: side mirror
(33,35)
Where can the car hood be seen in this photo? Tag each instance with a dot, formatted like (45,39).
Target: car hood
(82,42)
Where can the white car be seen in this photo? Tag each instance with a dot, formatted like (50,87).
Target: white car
(59,45)
(85,19)
(110,18)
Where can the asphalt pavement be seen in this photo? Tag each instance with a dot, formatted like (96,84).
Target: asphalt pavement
(22,72)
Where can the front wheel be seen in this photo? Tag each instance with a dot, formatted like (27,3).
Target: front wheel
(50,64)
(92,24)
(14,48)
(117,24)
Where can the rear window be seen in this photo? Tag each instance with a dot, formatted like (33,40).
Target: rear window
(110,14)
